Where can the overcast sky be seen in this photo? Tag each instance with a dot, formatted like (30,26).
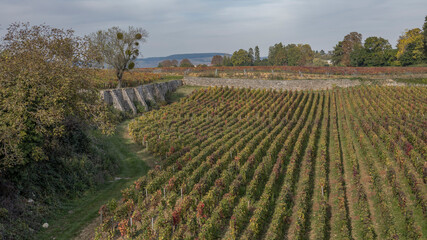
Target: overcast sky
(190,26)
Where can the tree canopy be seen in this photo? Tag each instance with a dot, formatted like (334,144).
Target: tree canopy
(342,51)
(168,63)
(277,55)
(410,47)
(227,61)
(376,51)
(217,60)
(185,63)
(425,38)
(44,92)
(241,58)
(290,55)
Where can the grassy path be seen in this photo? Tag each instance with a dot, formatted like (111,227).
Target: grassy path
(76,215)
(78,218)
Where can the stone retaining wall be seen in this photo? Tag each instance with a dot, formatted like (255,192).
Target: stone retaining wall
(125,99)
(274,84)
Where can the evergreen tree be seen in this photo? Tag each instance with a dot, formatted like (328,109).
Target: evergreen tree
(251,55)
(257,57)
(227,61)
(425,38)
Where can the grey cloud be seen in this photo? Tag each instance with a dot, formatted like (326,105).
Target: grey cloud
(178,26)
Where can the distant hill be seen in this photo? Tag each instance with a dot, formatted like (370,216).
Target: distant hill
(195,58)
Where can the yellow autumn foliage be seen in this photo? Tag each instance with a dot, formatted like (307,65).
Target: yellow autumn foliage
(414,38)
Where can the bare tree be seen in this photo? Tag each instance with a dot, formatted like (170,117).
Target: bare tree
(118,48)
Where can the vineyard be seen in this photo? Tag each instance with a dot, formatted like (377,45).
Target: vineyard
(106,78)
(301,69)
(260,164)
(294,72)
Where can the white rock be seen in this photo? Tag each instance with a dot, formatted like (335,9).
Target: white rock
(30,200)
(45,225)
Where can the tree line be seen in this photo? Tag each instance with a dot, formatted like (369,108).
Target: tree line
(279,55)
(411,49)
(174,63)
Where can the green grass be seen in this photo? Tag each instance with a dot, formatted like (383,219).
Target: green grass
(413,80)
(181,92)
(73,216)
(418,65)
(167,78)
(172,77)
